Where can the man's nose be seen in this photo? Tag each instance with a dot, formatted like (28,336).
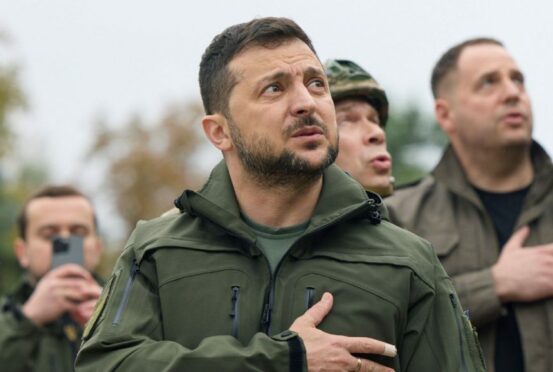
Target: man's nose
(374,134)
(303,102)
(512,91)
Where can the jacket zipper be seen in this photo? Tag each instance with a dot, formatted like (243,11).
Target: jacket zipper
(460,330)
(268,305)
(309,294)
(235,296)
(134,270)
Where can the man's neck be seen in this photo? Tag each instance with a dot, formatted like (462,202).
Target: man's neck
(499,170)
(275,206)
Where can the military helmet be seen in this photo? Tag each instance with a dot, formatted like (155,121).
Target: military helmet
(347,79)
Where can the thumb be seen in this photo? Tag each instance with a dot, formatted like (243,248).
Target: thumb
(517,240)
(314,315)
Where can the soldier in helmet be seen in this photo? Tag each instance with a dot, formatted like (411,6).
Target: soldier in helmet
(361,114)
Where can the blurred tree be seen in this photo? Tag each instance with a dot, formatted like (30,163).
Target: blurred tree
(13,193)
(148,166)
(415,142)
(12,97)
(22,178)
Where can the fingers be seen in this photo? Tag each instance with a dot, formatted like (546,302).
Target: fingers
(69,290)
(364,365)
(71,270)
(314,315)
(82,313)
(517,239)
(365,345)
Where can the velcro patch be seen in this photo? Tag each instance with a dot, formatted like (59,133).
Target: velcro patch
(99,308)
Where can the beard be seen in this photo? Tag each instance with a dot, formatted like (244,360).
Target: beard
(284,169)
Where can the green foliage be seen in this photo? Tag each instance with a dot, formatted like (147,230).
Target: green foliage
(22,180)
(13,193)
(413,136)
(9,269)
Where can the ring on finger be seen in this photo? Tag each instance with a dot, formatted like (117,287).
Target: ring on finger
(358,365)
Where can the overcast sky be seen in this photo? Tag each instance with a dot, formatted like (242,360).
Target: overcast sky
(81,59)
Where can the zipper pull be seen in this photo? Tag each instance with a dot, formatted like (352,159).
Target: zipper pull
(309,294)
(233,301)
(266,314)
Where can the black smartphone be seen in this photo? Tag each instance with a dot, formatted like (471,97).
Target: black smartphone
(68,250)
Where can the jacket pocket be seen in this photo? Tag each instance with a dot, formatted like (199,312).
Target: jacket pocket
(200,303)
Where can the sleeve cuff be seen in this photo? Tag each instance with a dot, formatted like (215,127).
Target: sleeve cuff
(18,319)
(298,362)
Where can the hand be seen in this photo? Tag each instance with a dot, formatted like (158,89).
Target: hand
(328,352)
(61,290)
(84,310)
(523,274)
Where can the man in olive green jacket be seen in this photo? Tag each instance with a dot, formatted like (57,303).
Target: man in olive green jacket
(42,320)
(487,208)
(281,262)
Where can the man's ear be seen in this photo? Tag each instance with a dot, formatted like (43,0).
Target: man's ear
(444,115)
(20,250)
(217,131)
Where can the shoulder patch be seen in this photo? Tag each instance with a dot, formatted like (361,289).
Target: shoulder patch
(100,305)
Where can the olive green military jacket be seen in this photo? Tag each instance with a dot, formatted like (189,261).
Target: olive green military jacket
(25,347)
(445,209)
(192,292)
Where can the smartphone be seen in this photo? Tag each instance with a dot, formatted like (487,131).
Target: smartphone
(68,250)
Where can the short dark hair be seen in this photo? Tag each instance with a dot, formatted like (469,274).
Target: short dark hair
(216,81)
(448,61)
(50,191)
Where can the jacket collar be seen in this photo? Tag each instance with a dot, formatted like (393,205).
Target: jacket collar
(450,173)
(341,197)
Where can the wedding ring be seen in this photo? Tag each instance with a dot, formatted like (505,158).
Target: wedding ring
(358,365)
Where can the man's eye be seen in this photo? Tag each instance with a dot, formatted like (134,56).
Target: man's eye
(47,235)
(343,121)
(317,83)
(273,88)
(518,79)
(488,80)
(374,119)
(79,230)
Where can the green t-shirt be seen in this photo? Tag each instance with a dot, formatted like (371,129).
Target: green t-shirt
(274,242)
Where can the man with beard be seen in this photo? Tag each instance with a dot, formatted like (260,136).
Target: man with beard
(487,207)
(281,262)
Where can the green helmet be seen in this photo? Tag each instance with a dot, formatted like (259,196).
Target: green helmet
(347,79)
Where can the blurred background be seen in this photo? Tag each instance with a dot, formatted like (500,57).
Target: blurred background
(104,94)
